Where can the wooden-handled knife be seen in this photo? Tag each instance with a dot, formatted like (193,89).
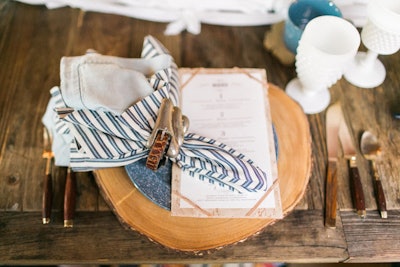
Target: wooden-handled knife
(350,154)
(333,120)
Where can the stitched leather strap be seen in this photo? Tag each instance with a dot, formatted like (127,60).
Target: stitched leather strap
(157,150)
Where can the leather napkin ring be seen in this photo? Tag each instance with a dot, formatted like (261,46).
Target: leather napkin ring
(168,134)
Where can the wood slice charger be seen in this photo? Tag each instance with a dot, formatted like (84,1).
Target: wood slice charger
(137,212)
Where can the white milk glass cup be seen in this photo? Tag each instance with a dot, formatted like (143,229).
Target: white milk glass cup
(327,45)
(381,36)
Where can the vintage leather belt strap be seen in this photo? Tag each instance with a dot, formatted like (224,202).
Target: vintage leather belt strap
(167,135)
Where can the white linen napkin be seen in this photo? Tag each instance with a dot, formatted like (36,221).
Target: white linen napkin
(108,83)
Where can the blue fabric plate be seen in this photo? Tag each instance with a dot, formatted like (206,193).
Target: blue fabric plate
(156,185)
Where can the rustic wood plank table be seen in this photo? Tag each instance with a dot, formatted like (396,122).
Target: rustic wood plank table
(32,41)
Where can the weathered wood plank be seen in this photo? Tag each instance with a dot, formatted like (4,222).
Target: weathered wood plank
(369,109)
(372,239)
(18,134)
(91,32)
(299,237)
(141,28)
(224,47)
(50,41)
(10,188)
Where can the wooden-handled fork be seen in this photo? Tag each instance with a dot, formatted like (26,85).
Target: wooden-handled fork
(69,198)
(47,199)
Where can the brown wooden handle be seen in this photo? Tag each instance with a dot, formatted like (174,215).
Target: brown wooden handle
(331,195)
(69,198)
(379,194)
(357,191)
(47,199)
(380,198)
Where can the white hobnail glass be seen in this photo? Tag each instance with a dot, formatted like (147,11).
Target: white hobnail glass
(327,45)
(381,36)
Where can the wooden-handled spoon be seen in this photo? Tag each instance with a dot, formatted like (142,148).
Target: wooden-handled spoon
(371,150)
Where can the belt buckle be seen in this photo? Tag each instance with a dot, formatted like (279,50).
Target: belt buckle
(167,135)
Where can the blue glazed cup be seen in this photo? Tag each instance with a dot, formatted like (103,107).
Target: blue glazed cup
(300,13)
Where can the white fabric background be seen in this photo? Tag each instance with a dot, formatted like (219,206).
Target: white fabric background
(189,14)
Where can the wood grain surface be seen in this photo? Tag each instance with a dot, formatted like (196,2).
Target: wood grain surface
(32,41)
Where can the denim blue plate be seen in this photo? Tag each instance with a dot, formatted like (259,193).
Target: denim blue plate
(156,185)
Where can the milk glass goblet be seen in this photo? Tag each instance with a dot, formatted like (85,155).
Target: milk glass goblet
(381,36)
(327,45)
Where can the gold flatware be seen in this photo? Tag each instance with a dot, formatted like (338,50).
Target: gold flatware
(371,150)
(48,183)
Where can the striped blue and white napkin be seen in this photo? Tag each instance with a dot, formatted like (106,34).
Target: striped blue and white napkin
(107,108)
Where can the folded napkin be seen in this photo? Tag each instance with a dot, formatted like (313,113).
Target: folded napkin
(107,83)
(107,108)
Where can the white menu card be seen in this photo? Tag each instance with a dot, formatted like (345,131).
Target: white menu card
(232,107)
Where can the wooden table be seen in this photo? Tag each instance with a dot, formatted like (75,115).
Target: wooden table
(32,41)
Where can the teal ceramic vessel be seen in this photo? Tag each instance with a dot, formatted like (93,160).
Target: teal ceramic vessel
(300,13)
